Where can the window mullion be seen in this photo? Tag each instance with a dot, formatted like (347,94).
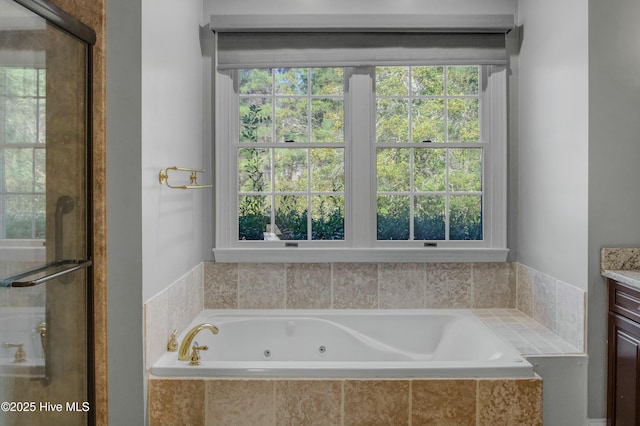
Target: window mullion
(360,119)
(412,193)
(309,139)
(494,113)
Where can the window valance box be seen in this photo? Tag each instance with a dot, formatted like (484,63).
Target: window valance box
(362,23)
(346,41)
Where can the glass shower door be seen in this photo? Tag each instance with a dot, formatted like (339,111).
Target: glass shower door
(45,246)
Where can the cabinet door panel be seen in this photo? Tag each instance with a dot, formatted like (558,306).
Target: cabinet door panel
(624,371)
(624,301)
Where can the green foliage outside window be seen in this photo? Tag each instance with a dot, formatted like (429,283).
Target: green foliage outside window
(22,153)
(422,194)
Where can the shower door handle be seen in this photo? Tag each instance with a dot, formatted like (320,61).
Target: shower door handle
(68,266)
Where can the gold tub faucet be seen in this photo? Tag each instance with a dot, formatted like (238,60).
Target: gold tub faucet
(183,352)
(20,355)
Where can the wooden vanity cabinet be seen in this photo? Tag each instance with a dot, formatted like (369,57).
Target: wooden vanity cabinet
(623,371)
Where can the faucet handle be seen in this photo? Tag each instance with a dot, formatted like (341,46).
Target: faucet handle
(42,329)
(195,353)
(20,355)
(172,346)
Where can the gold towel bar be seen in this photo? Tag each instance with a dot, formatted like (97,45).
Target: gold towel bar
(193,178)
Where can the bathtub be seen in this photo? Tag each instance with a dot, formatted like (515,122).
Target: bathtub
(347,344)
(20,325)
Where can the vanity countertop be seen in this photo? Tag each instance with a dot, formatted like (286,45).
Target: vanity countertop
(630,278)
(622,265)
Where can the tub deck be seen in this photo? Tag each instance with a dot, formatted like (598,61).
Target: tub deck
(348,344)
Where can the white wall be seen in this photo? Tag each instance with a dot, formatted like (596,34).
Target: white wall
(553,139)
(155,119)
(614,157)
(174,224)
(579,99)
(552,74)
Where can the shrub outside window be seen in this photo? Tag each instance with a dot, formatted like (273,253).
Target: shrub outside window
(429,153)
(22,153)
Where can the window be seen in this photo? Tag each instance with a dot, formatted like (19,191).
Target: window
(404,157)
(428,153)
(22,153)
(290,154)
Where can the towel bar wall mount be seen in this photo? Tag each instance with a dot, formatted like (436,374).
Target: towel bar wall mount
(193,178)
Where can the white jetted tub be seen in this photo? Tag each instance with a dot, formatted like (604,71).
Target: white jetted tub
(21,327)
(347,344)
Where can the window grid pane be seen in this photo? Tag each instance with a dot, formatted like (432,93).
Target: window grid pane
(292,105)
(287,191)
(430,186)
(22,153)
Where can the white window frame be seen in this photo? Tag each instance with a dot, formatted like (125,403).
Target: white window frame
(360,244)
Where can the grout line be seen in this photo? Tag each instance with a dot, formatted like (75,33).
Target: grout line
(342,402)
(331,285)
(237,286)
(472,290)
(477,402)
(410,402)
(285,285)
(273,400)
(378,282)
(424,285)
(205,401)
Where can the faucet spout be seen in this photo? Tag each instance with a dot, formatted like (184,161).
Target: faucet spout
(183,352)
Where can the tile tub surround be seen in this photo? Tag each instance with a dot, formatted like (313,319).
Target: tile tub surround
(551,303)
(174,307)
(556,305)
(525,334)
(359,285)
(345,402)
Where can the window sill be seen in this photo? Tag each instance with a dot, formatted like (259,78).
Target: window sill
(393,255)
(22,251)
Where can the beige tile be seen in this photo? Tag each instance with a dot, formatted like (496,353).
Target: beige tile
(544,300)
(185,298)
(570,314)
(510,402)
(308,285)
(156,327)
(220,285)
(355,285)
(443,402)
(448,285)
(308,402)
(261,286)
(195,290)
(401,285)
(176,402)
(493,285)
(376,402)
(239,403)
(524,289)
